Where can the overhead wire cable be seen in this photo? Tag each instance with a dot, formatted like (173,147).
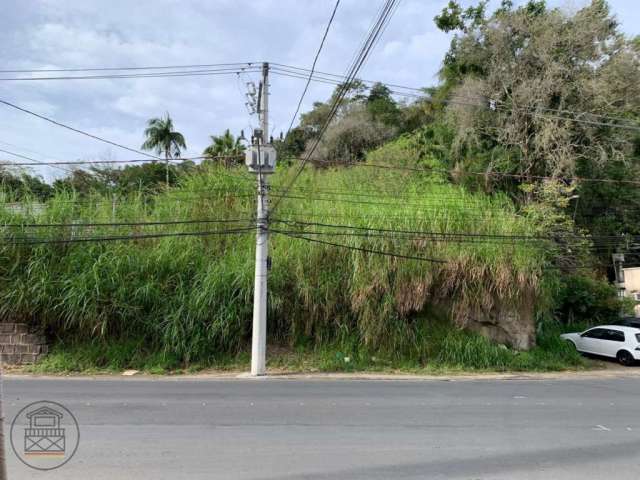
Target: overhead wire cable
(476,102)
(313,66)
(595,242)
(357,64)
(420,232)
(323,76)
(183,73)
(113,238)
(403,256)
(360,249)
(467,172)
(435,239)
(33,161)
(102,69)
(76,130)
(570,119)
(122,224)
(338,78)
(29,150)
(134,160)
(233,68)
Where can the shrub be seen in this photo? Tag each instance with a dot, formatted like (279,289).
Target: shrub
(584,299)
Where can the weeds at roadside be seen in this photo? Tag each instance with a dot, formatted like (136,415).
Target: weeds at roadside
(449,351)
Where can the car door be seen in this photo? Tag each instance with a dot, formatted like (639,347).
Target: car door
(590,341)
(612,340)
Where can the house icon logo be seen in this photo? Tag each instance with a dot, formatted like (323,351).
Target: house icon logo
(44,435)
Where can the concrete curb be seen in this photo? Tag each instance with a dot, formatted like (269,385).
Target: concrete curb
(243,376)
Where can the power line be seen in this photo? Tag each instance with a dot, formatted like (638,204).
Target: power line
(179,73)
(122,224)
(339,78)
(370,202)
(406,257)
(595,115)
(114,238)
(101,69)
(367,216)
(601,241)
(95,137)
(446,237)
(473,102)
(356,65)
(436,239)
(459,195)
(134,160)
(575,120)
(36,152)
(336,83)
(424,233)
(466,172)
(294,71)
(443,206)
(360,249)
(319,75)
(33,161)
(177,197)
(414,92)
(313,66)
(90,162)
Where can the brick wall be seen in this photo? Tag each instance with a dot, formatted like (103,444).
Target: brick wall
(18,346)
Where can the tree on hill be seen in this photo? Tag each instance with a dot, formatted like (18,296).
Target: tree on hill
(313,120)
(534,91)
(349,138)
(164,140)
(382,106)
(521,77)
(361,123)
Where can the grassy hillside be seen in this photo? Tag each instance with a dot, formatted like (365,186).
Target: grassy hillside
(190,297)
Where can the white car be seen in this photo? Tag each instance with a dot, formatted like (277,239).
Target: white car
(615,341)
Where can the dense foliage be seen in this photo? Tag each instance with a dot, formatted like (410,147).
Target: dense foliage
(529,97)
(192,295)
(536,92)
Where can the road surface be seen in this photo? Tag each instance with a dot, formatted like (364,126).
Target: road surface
(344,429)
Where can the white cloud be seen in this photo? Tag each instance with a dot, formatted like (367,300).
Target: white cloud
(94,33)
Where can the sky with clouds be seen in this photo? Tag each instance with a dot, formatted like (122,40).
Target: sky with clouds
(112,33)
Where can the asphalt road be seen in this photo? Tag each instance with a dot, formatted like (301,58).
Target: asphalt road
(344,429)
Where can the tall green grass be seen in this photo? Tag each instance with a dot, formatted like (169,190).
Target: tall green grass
(191,297)
(442,349)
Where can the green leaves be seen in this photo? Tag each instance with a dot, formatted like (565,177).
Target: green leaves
(162,138)
(226,146)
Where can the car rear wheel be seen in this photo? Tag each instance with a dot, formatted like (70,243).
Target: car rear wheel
(625,358)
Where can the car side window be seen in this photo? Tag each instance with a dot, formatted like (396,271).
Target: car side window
(613,335)
(594,333)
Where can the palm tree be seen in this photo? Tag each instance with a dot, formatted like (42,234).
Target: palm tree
(161,137)
(226,146)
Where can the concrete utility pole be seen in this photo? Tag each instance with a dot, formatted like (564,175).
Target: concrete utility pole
(618,267)
(259,339)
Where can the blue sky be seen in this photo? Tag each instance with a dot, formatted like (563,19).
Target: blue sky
(104,33)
